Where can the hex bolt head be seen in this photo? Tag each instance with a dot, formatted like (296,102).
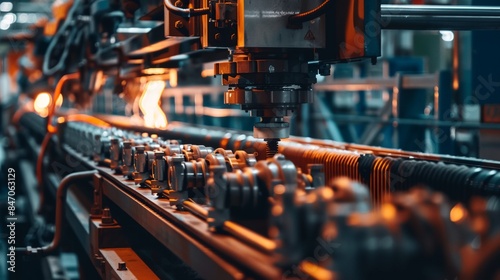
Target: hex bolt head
(106,218)
(159,154)
(178,24)
(122,266)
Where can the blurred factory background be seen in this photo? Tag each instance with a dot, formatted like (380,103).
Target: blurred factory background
(149,106)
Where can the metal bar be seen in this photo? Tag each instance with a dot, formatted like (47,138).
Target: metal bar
(416,122)
(196,255)
(331,128)
(135,267)
(426,81)
(257,240)
(439,17)
(373,129)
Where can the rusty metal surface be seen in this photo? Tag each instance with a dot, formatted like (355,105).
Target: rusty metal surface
(214,255)
(152,213)
(135,267)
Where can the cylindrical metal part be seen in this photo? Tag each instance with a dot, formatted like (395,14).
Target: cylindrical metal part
(127,153)
(140,159)
(439,17)
(114,149)
(159,167)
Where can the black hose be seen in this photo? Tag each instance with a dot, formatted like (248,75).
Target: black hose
(47,70)
(185,12)
(295,21)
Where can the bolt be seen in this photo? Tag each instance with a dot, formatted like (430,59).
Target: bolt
(178,24)
(159,154)
(272,147)
(271,69)
(139,149)
(217,36)
(122,266)
(127,144)
(106,218)
(233,37)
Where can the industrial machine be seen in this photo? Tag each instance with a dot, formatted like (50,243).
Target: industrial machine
(133,196)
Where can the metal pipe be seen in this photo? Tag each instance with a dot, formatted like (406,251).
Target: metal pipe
(258,241)
(62,191)
(439,17)
(57,92)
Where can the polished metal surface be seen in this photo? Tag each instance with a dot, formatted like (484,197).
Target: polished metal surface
(439,17)
(175,200)
(269,20)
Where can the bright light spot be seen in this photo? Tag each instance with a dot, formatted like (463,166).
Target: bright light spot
(388,211)
(207,73)
(43,101)
(149,105)
(10,18)
(154,71)
(4,25)
(59,101)
(41,104)
(447,36)
(5,7)
(32,18)
(457,213)
(23,18)
(179,57)
(173,77)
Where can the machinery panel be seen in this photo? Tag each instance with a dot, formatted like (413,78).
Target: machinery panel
(269,19)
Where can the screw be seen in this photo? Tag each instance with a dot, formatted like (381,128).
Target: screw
(272,147)
(217,36)
(178,24)
(233,37)
(122,266)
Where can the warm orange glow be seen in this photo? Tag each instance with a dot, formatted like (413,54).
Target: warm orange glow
(149,104)
(154,71)
(172,77)
(388,211)
(457,213)
(277,210)
(42,103)
(207,73)
(316,271)
(327,193)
